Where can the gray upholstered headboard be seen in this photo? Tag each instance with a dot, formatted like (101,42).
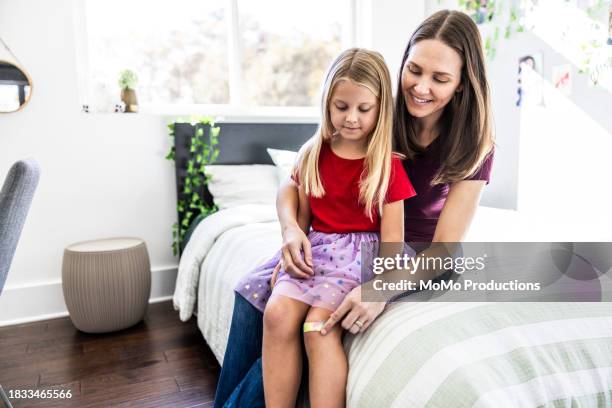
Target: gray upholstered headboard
(246,143)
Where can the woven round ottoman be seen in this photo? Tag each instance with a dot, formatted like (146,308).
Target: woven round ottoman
(106,283)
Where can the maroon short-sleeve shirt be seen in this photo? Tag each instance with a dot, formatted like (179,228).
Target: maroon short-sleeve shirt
(421,212)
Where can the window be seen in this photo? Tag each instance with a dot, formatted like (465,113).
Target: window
(218,54)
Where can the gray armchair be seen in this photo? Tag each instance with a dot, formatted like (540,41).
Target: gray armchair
(15,199)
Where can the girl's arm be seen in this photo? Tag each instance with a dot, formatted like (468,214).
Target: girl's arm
(287,205)
(303,215)
(453,224)
(392,222)
(294,239)
(392,230)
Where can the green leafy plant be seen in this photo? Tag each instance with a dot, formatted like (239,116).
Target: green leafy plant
(127,79)
(493,12)
(203,150)
(481,11)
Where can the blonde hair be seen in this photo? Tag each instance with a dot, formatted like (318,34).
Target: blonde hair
(366,68)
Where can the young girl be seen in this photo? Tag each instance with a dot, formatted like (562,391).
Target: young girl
(351,188)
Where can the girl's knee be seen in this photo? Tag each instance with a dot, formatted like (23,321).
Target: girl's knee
(279,321)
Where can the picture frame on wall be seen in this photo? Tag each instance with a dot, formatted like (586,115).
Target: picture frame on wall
(530,90)
(610,25)
(562,78)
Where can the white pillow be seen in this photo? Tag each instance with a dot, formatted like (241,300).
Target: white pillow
(232,185)
(284,161)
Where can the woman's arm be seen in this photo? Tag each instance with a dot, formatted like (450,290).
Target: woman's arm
(457,214)
(458,211)
(453,224)
(294,239)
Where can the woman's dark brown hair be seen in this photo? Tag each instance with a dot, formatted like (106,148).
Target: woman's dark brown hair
(466,123)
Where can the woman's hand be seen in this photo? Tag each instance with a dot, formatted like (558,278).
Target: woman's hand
(358,315)
(295,242)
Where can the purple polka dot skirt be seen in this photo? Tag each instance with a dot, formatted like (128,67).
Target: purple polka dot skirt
(336,262)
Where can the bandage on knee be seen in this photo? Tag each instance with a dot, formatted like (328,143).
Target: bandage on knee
(313,326)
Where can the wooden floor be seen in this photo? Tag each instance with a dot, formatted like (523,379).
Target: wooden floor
(160,362)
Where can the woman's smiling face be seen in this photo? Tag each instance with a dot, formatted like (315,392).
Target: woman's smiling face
(430,77)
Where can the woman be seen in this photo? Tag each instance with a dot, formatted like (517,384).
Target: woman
(443,125)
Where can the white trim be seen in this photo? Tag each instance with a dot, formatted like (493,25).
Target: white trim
(234,54)
(239,114)
(59,315)
(34,319)
(45,300)
(81,54)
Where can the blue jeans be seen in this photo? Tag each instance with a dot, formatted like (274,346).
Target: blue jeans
(241,381)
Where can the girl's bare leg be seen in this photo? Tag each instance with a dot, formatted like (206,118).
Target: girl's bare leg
(282,350)
(328,367)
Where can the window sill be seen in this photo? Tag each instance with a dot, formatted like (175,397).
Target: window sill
(233,114)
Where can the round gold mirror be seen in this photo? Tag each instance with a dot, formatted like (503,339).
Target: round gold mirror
(15,87)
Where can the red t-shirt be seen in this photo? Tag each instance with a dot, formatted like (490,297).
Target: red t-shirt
(339,210)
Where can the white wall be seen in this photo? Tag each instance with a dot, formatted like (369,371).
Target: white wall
(103,174)
(392,23)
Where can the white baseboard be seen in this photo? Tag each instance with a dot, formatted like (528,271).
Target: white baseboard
(43,301)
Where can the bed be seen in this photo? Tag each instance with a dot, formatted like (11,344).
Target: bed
(417,354)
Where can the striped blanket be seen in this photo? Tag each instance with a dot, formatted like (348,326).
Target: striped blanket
(423,354)
(484,355)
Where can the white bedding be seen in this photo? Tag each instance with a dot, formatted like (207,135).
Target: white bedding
(420,354)
(201,242)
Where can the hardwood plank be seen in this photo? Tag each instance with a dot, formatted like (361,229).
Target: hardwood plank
(22,333)
(95,364)
(196,378)
(14,349)
(185,399)
(125,393)
(158,338)
(17,380)
(40,358)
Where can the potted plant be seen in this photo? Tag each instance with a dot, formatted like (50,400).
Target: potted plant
(127,83)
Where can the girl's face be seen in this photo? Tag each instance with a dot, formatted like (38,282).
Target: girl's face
(353,110)
(430,77)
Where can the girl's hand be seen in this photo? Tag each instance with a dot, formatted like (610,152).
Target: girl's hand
(358,315)
(295,242)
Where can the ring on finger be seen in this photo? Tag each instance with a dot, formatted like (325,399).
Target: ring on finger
(359,323)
